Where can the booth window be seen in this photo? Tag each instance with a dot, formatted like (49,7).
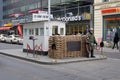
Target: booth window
(55,30)
(31,31)
(61,31)
(41,31)
(25,31)
(36,31)
(47,31)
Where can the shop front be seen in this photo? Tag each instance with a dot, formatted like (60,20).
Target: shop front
(77,24)
(106,20)
(111,23)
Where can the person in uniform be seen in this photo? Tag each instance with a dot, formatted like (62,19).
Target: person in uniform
(92,41)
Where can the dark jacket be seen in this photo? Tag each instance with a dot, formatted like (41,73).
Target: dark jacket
(116,38)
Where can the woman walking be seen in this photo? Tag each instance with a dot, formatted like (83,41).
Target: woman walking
(116,40)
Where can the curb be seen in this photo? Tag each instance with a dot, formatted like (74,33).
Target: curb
(52,63)
(27,59)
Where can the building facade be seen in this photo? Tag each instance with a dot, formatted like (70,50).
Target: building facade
(106,18)
(78,14)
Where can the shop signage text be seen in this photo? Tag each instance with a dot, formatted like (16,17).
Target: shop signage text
(73,18)
(85,16)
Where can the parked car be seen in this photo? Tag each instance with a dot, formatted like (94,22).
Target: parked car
(20,39)
(3,37)
(13,39)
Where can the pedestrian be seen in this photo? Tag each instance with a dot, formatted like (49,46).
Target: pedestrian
(92,41)
(115,40)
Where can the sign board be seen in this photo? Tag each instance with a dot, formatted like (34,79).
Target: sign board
(40,16)
(84,16)
(110,10)
(73,18)
(73,46)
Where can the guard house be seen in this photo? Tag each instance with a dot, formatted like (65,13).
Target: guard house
(36,34)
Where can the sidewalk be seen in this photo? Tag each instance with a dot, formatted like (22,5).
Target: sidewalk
(108,50)
(18,53)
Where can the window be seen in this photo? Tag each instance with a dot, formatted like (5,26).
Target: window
(41,31)
(105,0)
(36,31)
(25,31)
(32,6)
(23,8)
(47,31)
(61,31)
(31,31)
(55,30)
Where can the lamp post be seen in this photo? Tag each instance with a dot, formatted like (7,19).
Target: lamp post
(49,9)
(49,13)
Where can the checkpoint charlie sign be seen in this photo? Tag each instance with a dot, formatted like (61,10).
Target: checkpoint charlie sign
(42,16)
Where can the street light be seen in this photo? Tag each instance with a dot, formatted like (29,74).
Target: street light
(49,9)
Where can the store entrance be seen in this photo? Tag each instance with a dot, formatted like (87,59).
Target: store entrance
(111,24)
(73,28)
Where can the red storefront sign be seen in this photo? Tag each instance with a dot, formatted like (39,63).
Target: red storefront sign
(111,10)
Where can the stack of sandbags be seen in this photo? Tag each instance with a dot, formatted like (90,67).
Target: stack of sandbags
(84,53)
(66,46)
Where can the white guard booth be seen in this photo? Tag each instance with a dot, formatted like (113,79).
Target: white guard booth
(36,34)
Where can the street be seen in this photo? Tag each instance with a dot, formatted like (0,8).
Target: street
(15,69)
(9,46)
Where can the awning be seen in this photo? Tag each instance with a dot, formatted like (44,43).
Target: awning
(34,11)
(16,15)
(5,28)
